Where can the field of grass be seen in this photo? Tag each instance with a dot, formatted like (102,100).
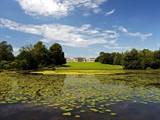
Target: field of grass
(85,68)
(89,66)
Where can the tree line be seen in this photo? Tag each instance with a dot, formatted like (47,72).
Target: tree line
(31,57)
(133,59)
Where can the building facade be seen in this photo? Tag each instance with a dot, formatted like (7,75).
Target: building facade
(80,59)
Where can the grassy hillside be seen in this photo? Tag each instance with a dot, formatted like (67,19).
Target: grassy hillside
(89,66)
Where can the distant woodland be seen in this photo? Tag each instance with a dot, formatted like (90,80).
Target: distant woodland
(31,57)
(39,56)
(133,59)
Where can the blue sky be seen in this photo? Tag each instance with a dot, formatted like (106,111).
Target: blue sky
(83,27)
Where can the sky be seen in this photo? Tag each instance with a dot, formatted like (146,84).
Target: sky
(83,27)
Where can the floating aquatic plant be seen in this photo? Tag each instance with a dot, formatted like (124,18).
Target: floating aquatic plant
(81,93)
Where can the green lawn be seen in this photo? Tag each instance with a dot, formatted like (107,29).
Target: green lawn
(89,66)
(85,68)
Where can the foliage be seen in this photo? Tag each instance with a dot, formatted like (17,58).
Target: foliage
(31,57)
(110,58)
(141,59)
(4,65)
(26,59)
(41,54)
(57,54)
(134,59)
(6,51)
(106,58)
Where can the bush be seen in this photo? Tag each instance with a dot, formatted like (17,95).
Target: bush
(155,64)
(4,65)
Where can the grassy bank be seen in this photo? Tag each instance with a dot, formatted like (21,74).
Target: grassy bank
(85,68)
(89,66)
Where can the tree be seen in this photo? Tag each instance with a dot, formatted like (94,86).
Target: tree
(41,54)
(6,51)
(26,59)
(133,60)
(106,58)
(31,57)
(157,55)
(118,59)
(97,59)
(4,65)
(110,58)
(147,57)
(156,63)
(57,54)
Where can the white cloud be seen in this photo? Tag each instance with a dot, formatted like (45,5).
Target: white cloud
(118,48)
(86,14)
(110,12)
(58,8)
(97,10)
(82,36)
(16,51)
(135,34)
(122,29)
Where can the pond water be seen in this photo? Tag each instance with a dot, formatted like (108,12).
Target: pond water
(133,95)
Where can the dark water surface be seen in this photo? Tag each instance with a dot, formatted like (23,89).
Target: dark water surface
(134,95)
(125,111)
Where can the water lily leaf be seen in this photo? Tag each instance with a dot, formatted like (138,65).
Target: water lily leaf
(77,116)
(93,109)
(67,114)
(113,114)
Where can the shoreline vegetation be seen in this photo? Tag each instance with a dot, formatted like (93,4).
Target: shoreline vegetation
(38,59)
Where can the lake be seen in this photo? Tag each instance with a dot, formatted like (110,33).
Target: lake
(132,95)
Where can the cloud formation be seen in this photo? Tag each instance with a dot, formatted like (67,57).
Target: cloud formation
(110,12)
(118,47)
(134,34)
(82,36)
(58,8)
(75,36)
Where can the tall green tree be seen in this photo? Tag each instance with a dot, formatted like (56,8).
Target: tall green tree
(133,60)
(106,58)
(41,54)
(156,63)
(110,58)
(118,59)
(157,54)
(57,55)
(6,52)
(26,59)
(147,57)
